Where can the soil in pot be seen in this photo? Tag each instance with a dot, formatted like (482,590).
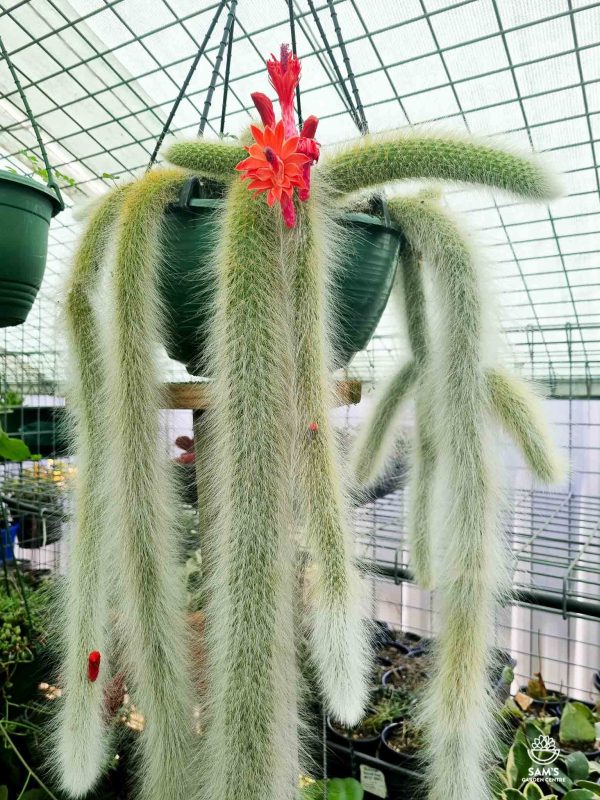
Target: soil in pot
(402,744)
(407,679)
(361,736)
(387,706)
(394,652)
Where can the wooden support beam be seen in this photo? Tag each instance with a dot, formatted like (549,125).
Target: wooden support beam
(196,395)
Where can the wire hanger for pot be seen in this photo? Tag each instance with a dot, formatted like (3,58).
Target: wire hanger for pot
(50,179)
(354,106)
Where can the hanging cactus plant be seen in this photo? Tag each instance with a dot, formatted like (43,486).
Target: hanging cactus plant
(275,482)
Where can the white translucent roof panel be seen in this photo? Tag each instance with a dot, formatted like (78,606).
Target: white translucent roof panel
(102,75)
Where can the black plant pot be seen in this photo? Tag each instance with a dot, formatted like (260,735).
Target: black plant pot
(367,745)
(392,650)
(554,703)
(401,787)
(36,530)
(591,755)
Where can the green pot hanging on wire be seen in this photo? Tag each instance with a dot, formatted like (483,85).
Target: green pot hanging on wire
(360,288)
(26,208)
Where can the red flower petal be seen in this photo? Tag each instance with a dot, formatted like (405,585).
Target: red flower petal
(264,106)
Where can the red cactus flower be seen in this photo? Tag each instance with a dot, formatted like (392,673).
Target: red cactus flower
(284,75)
(274,166)
(264,106)
(280,159)
(93,668)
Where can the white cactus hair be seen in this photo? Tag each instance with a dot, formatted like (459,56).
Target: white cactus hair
(126,508)
(272,453)
(81,730)
(469,550)
(149,593)
(339,632)
(251,424)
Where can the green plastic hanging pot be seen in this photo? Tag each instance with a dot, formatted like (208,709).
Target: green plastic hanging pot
(26,208)
(360,288)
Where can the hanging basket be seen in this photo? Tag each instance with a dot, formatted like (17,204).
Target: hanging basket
(360,288)
(26,208)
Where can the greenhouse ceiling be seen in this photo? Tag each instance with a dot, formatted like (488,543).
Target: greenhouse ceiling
(102,75)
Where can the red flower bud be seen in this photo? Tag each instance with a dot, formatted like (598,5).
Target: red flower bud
(93,665)
(264,106)
(313,427)
(310,127)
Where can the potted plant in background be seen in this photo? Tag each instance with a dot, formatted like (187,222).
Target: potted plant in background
(36,500)
(27,208)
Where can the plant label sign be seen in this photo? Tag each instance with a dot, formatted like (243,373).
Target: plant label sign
(373,781)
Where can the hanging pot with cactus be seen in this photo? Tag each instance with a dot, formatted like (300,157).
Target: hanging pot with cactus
(26,208)
(276,244)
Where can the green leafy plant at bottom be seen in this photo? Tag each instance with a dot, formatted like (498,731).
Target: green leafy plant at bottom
(569,777)
(577,724)
(335,789)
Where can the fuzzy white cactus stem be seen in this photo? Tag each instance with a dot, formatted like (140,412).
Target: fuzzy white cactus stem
(339,634)
(423,464)
(82,732)
(519,411)
(457,713)
(375,442)
(250,746)
(148,588)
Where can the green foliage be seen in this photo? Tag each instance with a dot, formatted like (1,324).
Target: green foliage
(569,773)
(40,170)
(577,724)
(336,789)
(10,399)
(13,449)
(20,630)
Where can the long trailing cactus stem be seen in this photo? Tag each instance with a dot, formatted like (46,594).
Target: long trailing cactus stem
(82,731)
(214,160)
(250,746)
(519,411)
(470,573)
(374,161)
(339,634)
(148,589)
(423,466)
(376,440)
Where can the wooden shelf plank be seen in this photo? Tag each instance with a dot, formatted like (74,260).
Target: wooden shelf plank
(196,395)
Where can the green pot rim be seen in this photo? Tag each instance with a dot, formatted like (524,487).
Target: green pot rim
(364,219)
(24,180)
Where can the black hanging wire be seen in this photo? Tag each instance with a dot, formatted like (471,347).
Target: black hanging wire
(361,119)
(49,174)
(217,67)
(186,83)
(226,84)
(293,37)
(349,102)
